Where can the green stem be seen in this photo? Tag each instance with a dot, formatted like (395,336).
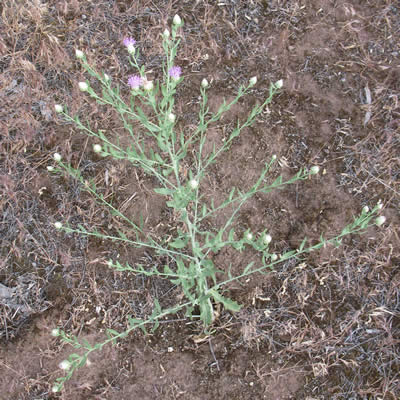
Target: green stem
(154,245)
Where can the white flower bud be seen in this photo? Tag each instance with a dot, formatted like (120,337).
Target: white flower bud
(314,170)
(57,157)
(194,184)
(274,157)
(83,86)
(249,236)
(106,78)
(148,85)
(380,220)
(58,108)
(79,54)
(55,389)
(365,209)
(50,168)
(171,117)
(55,332)
(97,148)
(166,34)
(279,84)
(204,83)
(274,257)
(58,225)
(177,20)
(65,365)
(380,205)
(267,239)
(253,81)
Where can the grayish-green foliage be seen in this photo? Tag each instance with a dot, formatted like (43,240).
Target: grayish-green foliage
(190,264)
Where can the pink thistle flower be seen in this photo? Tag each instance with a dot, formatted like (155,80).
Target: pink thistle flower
(129,43)
(175,73)
(135,82)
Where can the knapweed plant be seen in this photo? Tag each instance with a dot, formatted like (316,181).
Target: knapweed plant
(158,149)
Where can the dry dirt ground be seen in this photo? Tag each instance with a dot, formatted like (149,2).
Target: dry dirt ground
(324,328)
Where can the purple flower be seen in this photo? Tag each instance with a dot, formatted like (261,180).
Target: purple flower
(130,44)
(135,82)
(175,73)
(128,41)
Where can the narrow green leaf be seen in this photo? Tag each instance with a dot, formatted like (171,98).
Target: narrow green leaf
(163,191)
(83,361)
(112,332)
(206,311)
(288,254)
(278,181)
(73,357)
(303,243)
(229,304)
(178,244)
(157,308)
(134,321)
(156,324)
(230,271)
(86,344)
(231,194)
(168,270)
(248,267)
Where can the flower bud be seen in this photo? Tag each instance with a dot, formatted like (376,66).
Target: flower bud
(57,157)
(50,168)
(380,220)
(314,170)
(177,20)
(55,332)
(274,257)
(58,225)
(106,78)
(79,54)
(274,157)
(171,117)
(380,205)
(58,108)
(55,389)
(83,86)
(65,365)
(166,34)
(365,209)
(249,236)
(267,239)
(194,184)
(148,85)
(97,148)
(204,83)
(253,81)
(278,84)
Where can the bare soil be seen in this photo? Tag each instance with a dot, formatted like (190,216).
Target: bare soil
(326,327)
